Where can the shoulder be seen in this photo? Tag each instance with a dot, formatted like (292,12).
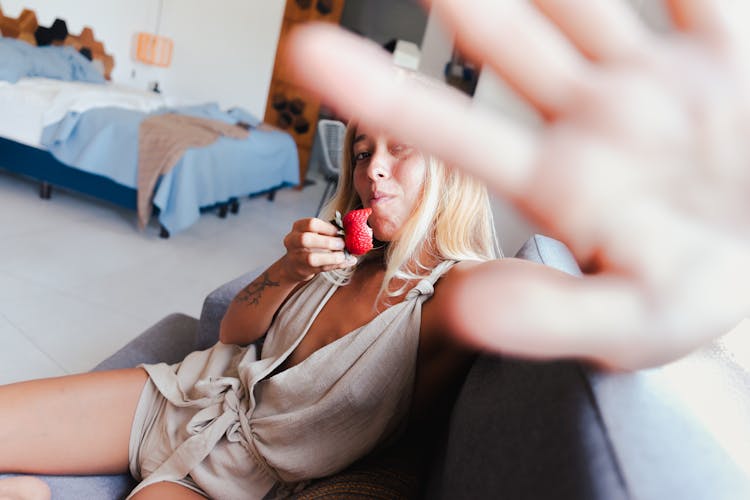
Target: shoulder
(435,328)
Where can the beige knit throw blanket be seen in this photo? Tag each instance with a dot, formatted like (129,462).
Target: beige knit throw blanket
(163,139)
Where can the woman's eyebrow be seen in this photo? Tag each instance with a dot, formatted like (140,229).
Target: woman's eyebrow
(360,137)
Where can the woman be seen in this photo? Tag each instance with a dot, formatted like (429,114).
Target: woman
(342,370)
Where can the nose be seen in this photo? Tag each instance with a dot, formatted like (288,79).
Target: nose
(379,167)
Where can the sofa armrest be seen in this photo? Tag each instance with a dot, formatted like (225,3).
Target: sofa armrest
(168,341)
(215,306)
(661,446)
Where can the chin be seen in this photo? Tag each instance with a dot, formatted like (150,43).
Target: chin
(383,236)
(387,223)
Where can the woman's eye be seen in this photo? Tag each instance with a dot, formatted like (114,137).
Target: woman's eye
(361,156)
(400,150)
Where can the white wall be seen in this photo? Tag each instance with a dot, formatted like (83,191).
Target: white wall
(223,51)
(437,48)
(226,55)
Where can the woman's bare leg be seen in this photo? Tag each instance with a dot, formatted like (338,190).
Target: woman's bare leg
(24,488)
(78,424)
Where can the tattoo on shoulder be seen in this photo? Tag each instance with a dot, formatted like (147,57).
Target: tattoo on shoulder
(252,293)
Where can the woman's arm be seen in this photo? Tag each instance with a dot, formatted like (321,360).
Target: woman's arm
(251,311)
(313,246)
(522,308)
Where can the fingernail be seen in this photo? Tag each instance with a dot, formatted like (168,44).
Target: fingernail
(339,245)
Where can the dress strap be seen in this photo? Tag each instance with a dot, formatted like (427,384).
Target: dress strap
(426,286)
(440,270)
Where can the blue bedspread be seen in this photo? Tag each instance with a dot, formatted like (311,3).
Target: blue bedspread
(104,141)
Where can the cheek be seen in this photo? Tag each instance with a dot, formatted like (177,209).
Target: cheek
(361,184)
(415,187)
(413,184)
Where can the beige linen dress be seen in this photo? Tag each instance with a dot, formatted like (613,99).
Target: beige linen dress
(224,424)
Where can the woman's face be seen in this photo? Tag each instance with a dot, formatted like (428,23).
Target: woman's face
(388,177)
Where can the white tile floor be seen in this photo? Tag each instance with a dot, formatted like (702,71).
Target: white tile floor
(78,280)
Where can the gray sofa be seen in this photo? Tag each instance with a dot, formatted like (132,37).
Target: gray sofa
(518,429)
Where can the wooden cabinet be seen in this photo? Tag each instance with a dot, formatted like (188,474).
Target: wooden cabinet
(289,107)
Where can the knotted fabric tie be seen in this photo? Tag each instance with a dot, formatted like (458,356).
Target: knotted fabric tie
(224,413)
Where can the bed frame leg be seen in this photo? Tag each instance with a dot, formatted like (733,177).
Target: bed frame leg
(163,233)
(45,190)
(272,195)
(234,207)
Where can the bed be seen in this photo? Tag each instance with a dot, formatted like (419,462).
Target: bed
(65,124)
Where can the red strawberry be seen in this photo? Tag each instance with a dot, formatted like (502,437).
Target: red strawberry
(357,234)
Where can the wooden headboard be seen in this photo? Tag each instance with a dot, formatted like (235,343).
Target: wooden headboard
(25,27)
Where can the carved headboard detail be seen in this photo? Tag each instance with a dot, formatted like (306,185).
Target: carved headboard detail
(25,27)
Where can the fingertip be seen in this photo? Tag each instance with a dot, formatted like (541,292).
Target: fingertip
(301,39)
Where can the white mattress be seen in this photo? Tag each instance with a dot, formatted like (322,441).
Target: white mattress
(31,104)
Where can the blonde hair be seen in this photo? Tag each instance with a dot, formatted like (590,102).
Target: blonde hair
(451,221)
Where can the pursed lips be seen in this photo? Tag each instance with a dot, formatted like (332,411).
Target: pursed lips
(379,197)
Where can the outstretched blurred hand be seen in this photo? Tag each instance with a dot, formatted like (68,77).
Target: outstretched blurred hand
(642,166)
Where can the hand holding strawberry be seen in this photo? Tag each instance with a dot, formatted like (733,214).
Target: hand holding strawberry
(357,234)
(313,246)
